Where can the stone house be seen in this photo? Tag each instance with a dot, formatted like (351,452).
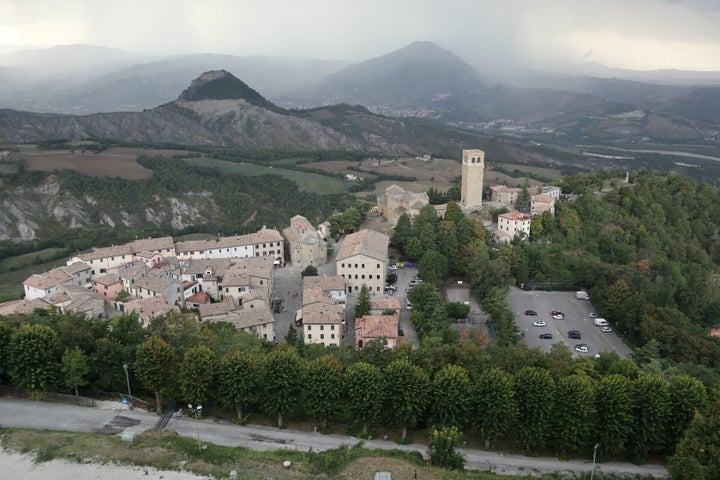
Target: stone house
(363,260)
(305,245)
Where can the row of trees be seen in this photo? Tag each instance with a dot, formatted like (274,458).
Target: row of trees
(532,399)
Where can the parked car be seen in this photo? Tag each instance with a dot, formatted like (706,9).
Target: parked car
(546,336)
(408,305)
(606,329)
(592,315)
(539,323)
(582,348)
(557,315)
(531,313)
(408,289)
(390,288)
(574,334)
(600,322)
(391,278)
(392,268)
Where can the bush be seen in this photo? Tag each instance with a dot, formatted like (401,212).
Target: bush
(442,449)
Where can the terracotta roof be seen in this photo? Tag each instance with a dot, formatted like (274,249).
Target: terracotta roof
(325,282)
(107,279)
(198,267)
(150,307)
(191,246)
(378,326)
(199,297)
(147,254)
(504,188)
(215,309)
(541,197)
(365,242)
(106,252)
(23,306)
(385,303)
(324,313)
(251,317)
(152,244)
(516,216)
(76,267)
(47,280)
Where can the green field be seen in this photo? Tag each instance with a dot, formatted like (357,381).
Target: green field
(11,281)
(308,182)
(544,172)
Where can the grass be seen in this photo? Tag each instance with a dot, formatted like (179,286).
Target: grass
(306,181)
(168,451)
(11,282)
(33,258)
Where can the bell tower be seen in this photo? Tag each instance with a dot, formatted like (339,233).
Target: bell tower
(473,169)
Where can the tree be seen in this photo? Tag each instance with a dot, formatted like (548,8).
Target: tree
(414,249)
(614,421)
(282,375)
(5,337)
(450,403)
(697,456)
(106,366)
(238,380)
(362,307)
(573,412)
(323,388)
(309,271)
(523,199)
(292,336)
(442,446)
(156,364)
(492,404)
(434,267)
(533,392)
(33,361)
(75,369)
(197,371)
(405,393)
(687,396)
(650,415)
(402,232)
(363,391)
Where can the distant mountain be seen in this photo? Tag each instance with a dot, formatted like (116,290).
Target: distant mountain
(219,109)
(145,82)
(414,76)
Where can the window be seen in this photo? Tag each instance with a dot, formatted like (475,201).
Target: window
(378,265)
(362,276)
(378,277)
(322,336)
(342,265)
(332,327)
(322,327)
(356,265)
(227,290)
(362,266)
(309,327)
(332,336)
(262,282)
(309,336)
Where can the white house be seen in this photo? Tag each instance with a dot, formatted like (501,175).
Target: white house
(362,260)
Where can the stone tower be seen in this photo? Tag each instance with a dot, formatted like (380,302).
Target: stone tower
(473,168)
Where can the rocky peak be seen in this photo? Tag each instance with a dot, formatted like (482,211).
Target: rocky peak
(223,85)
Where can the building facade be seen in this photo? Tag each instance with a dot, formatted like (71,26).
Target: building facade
(363,260)
(511,224)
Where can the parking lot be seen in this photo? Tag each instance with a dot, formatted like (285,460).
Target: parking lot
(576,318)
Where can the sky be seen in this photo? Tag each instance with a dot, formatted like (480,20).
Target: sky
(633,34)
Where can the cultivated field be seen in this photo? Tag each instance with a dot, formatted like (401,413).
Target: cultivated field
(113,162)
(309,182)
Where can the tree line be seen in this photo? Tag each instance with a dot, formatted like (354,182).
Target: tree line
(507,395)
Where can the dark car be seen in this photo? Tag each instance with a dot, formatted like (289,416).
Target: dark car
(546,336)
(531,313)
(574,334)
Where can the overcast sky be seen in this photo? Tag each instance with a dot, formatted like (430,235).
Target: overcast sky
(638,34)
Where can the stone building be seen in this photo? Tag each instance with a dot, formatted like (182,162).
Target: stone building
(397,201)
(473,170)
(304,244)
(363,260)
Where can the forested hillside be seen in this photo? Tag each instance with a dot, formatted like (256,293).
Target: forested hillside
(76,211)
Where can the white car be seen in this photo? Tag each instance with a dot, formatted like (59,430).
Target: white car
(392,268)
(539,323)
(582,348)
(592,315)
(606,329)
(408,305)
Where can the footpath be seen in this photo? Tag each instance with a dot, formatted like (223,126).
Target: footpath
(115,418)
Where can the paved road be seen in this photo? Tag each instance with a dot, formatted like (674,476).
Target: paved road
(51,416)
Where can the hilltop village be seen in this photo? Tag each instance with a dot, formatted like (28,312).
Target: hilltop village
(235,279)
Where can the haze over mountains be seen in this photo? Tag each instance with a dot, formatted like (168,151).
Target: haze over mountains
(592,105)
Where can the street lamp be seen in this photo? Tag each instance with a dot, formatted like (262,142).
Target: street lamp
(197,411)
(595,449)
(127,378)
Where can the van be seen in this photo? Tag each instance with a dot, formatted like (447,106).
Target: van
(582,295)
(600,322)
